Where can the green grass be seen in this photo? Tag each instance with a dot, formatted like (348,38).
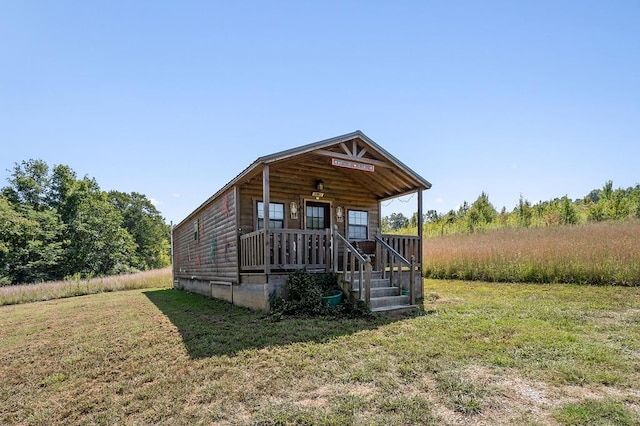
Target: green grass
(605,253)
(594,413)
(479,353)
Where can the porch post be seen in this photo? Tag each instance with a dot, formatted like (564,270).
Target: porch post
(412,280)
(265,204)
(328,243)
(420,235)
(173,265)
(367,281)
(334,248)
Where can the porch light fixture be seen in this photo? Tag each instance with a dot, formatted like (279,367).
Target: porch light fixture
(319,186)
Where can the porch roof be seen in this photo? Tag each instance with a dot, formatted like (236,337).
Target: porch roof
(351,153)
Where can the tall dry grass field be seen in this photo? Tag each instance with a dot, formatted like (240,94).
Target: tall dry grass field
(597,253)
(25,293)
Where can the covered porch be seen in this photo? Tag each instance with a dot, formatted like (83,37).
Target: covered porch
(319,209)
(395,259)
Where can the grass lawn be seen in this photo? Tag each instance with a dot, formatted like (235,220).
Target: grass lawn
(478,354)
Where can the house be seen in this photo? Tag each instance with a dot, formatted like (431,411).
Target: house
(324,215)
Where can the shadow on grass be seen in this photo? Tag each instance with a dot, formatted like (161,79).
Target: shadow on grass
(211,327)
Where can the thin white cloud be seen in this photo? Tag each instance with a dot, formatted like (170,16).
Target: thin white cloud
(175,195)
(155,202)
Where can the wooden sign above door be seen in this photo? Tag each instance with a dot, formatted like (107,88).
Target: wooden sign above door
(353,165)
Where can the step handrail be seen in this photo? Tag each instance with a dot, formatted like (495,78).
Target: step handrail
(393,251)
(410,264)
(364,265)
(350,247)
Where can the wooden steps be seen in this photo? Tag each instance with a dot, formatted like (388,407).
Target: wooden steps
(396,310)
(385,299)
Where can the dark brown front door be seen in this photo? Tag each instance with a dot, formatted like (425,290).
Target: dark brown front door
(317,215)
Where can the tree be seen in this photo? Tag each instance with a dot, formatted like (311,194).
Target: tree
(524,212)
(30,249)
(464,208)
(608,203)
(596,212)
(397,221)
(98,243)
(63,182)
(568,214)
(29,184)
(431,216)
(146,226)
(448,219)
(413,221)
(480,213)
(54,224)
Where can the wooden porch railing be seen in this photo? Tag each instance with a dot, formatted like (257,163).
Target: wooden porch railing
(406,245)
(252,251)
(397,264)
(290,249)
(357,263)
(299,248)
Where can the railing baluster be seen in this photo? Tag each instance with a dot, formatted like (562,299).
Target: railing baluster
(392,266)
(367,279)
(352,263)
(327,245)
(396,249)
(412,281)
(361,280)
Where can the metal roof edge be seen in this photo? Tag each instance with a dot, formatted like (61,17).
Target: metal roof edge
(303,150)
(400,164)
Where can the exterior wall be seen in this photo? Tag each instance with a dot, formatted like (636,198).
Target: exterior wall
(193,286)
(248,295)
(252,296)
(295,183)
(277,284)
(205,245)
(253,291)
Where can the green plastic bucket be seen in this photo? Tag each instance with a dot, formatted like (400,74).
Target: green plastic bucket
(333,298)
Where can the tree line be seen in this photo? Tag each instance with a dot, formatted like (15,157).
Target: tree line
(54,225)
(602,204)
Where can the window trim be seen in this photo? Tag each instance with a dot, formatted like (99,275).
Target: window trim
(349,225)
(271,219)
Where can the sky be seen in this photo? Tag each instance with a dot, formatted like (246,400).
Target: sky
(538,99)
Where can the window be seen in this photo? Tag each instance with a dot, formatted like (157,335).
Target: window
(196,230)
(276,215)
(317,215)
(358,225)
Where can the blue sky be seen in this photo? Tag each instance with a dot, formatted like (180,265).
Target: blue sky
(173,99)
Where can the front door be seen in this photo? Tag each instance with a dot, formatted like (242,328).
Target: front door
(317,215)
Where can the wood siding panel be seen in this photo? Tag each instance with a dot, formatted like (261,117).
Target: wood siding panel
(213,255)
(295,181)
